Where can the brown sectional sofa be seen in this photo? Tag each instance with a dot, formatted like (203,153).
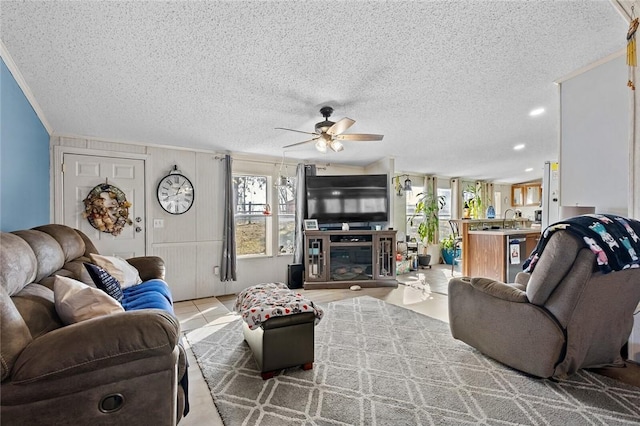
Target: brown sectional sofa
(118,369)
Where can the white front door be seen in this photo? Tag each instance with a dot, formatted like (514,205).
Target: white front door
(81,173)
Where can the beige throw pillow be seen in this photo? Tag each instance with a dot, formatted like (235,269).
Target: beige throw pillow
(120,269)
(76,301)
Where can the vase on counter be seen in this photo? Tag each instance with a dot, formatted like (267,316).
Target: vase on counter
(491,212)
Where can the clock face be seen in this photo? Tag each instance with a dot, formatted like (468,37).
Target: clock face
(175,193)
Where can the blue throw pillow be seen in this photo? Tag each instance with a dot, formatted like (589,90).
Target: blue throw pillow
(105,281)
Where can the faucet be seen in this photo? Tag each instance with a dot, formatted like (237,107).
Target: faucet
(504,216)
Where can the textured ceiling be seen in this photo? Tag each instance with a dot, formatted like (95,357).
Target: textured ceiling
(449,84)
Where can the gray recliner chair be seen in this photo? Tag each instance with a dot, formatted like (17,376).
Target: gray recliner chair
(564,316)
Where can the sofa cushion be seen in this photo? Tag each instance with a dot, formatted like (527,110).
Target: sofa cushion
(71,243)
(36,305)
(104,281)
(76,301)
(19,264)
(100,343)
(11,324)
(49,254)
(508,292)
(79,272)
(555,262)
(125,273)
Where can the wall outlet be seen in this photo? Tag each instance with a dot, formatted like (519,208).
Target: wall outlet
(158,223)
(216,270)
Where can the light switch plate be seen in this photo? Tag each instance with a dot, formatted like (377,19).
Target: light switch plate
(158,223)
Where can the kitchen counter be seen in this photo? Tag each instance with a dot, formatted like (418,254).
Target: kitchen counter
(507,232)
(484,252)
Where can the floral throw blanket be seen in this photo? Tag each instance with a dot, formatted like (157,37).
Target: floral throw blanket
(263,301)
(613,239)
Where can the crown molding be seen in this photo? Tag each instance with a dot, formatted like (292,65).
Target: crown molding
(17,75)
(592,65)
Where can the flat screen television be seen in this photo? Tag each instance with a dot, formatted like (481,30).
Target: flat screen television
(348,198)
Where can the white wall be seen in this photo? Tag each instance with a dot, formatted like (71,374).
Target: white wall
(594,147)
(191,243)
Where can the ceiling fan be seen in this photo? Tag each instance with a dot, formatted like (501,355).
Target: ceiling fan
(328,134)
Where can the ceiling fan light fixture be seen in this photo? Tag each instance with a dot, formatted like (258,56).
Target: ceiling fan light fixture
(321,145)
(329,134)
(336,146)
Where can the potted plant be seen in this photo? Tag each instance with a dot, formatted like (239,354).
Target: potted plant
(475,202)
(428,206)
(448,244)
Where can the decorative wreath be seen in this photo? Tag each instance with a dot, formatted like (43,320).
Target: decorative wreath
(107,209)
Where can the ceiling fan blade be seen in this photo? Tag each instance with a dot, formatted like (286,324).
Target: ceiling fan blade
(340,126)
(299,131)
(359,137)
(300,143)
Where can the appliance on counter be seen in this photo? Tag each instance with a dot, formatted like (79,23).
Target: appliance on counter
(516,255)
(550,194)
(537,216)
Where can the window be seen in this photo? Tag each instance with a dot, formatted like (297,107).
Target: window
(498,203)
(412,224)
(253,214)
(257,221)
(444,214)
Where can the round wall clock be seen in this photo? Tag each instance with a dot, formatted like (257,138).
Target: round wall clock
(175,193)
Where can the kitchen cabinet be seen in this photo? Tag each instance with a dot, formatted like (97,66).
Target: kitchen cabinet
(526,194)
(517,195)
(532,242)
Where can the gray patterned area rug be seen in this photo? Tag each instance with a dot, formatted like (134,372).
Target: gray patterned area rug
(379,364)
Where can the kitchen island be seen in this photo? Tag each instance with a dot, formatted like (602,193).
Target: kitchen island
(496,248)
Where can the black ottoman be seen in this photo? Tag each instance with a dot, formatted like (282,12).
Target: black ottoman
(282,342)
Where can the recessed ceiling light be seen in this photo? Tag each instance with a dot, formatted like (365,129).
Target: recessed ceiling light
(519,147)
(530,169)
(536,111)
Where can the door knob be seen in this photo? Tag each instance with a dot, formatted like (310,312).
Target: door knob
(138,229)
(138,219)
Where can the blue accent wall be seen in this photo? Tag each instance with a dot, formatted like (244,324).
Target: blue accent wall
(24,160)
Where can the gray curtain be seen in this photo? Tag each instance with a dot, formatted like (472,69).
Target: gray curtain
(228,272)
(302,170)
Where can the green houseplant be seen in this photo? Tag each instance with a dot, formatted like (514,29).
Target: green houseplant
(475,202)
(428,206)
(448,244)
